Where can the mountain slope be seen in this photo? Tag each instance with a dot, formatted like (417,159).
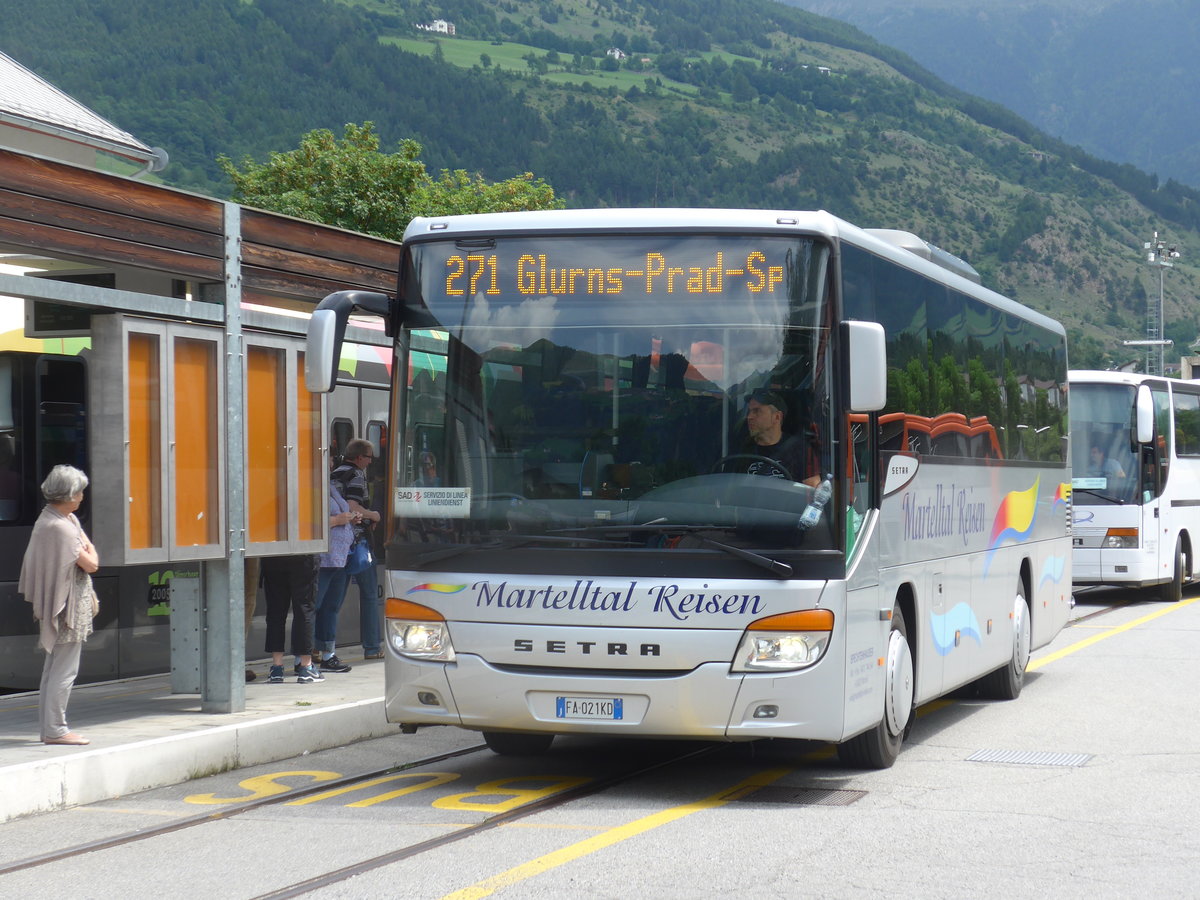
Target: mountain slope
(737,103)
(1118,79)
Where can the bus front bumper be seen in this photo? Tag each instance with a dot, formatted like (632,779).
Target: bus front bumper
(1131,568)
(708,702)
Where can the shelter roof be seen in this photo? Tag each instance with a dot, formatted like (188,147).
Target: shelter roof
(29,102)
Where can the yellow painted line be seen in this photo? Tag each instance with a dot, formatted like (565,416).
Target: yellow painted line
(613,836)
(1096,638)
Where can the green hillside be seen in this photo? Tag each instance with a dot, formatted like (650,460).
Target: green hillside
(724,102)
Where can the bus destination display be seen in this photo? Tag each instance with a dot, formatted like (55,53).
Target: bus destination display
(652,273)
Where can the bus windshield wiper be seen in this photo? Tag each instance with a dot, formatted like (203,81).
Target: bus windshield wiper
(508,542)
(774,566)
(1096,493)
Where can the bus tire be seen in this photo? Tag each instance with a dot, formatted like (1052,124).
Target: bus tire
(510,743)
(879,747)
(1006,682)
(1172,591)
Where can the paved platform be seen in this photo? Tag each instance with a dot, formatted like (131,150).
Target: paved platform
(143,736)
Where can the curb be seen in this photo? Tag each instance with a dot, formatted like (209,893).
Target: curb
(111,772)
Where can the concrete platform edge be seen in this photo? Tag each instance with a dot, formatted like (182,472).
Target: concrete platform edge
(73,776)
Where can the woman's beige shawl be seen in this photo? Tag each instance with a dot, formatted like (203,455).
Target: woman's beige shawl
(47,571)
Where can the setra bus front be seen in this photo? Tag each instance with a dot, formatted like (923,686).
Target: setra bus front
(623,480)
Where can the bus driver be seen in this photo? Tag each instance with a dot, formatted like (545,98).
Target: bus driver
(1102,465)
(765,411)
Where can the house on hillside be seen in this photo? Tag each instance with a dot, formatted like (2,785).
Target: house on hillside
(38,119)
(438,26)
(616,53)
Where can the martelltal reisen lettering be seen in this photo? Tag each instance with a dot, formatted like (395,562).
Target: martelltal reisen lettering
(947,511)
(544,275)
(587,596)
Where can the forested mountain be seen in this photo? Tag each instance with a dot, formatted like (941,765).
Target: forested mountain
(716,102)
(1117,77)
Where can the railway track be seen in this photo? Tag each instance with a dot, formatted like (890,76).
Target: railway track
(233,810)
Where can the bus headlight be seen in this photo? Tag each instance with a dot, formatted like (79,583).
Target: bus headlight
(792,640)
(1121,539)
(417,631)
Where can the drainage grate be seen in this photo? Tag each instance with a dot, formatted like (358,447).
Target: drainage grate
(802,796)
(1030,757)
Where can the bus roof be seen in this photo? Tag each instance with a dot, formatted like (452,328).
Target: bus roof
(931,262)
(1103,376)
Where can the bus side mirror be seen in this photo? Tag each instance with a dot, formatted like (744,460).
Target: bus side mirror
(1145,415)
(866,348)
(327,328)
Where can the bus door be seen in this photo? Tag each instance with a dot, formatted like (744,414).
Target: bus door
(1154,471)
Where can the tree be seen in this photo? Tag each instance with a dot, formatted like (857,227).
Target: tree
(351,184)
(460,192)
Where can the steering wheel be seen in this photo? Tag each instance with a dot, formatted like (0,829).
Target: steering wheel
(752,457)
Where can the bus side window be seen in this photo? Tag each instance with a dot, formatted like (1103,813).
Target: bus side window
(341,432)
(10,478)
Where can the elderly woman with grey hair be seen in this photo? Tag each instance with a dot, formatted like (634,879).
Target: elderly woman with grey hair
(56,579)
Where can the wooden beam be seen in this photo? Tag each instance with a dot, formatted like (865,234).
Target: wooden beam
(109,193)
(49,239)
(273,282)
(288,261)
(88,220)
(316,240)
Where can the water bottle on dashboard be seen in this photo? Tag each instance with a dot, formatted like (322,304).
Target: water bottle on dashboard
(820,497)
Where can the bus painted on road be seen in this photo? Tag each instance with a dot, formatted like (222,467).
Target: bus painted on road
(585,538)
(1136,484)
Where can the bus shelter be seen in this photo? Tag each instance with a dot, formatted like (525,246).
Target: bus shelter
(204,445)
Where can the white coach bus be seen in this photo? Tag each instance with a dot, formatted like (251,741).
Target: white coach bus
(711,474)
(1136,480)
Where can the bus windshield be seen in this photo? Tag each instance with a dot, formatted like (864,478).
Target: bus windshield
(616,392)
(1104,452)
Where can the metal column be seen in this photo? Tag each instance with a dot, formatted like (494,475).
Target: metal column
(223,686)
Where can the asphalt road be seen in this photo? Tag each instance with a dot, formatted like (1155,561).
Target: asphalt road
(1086,786)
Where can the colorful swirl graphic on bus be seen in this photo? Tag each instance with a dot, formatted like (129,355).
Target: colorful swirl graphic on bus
(1062,495)
(1014,520)
(437,588)
(959,621)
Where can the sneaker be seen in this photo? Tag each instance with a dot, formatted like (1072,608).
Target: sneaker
(313,670)
(373,654)
(333,664)
(304,676)
(250,676)
(276,676)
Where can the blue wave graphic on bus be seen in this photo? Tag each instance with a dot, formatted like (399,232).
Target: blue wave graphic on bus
(1053,569)
(961,620)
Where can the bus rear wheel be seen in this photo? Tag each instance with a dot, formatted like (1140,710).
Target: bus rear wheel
(879,747)
(1006,682)
(509,743)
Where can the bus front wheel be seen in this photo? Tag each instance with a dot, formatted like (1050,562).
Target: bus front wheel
(879,747)
(509,743)
(1172,591)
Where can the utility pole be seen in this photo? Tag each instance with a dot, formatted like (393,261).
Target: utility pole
(1160,255)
